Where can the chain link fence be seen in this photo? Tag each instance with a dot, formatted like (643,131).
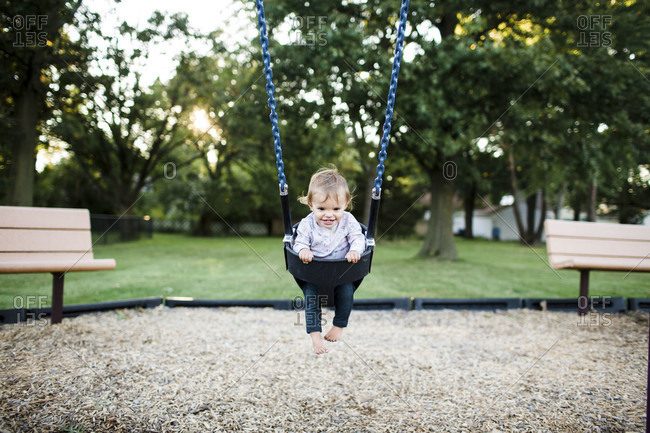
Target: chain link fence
(216,228)
(107,229)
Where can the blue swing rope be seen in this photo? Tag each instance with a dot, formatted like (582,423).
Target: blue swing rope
(391,95)
(270,89)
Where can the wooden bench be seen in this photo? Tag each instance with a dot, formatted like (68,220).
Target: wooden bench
(587,246)
(52,240)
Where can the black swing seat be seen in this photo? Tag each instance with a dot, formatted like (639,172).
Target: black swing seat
(326,274)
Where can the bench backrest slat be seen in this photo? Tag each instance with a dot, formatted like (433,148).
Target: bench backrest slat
(45,218)
(598,247)
(28,233)
(26,240)
(590,230)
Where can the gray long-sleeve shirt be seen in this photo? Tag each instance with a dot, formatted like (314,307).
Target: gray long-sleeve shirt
(331,243)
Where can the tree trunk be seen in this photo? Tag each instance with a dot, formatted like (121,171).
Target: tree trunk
(591,201)
(204,225)
(468,205)
(515,195)
(532,233)
(576,211)
(531,207)
(23,154)
(560,201)
(368,170)
(540,226)
(439,239)
(367,194)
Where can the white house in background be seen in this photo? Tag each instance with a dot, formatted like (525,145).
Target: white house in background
(501,219)
(495,222)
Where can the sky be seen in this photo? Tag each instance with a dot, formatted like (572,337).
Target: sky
(204,16)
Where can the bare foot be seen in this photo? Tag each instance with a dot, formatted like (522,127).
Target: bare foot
(317,342)
(334,334)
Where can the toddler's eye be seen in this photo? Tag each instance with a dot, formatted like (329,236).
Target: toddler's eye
(337,208)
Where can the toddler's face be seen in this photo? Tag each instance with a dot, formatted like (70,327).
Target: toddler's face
(327,211)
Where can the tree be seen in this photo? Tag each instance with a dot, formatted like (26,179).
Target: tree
(511,73)
(444,90)
(564,98)
(483,182)
(332,66)
(36,53)
(233,143)
(596,109)
(120,133)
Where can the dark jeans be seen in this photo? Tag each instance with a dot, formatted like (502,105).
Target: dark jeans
(343,298)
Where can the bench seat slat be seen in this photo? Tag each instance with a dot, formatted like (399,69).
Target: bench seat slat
(21,240)
(45,218)
(598,247)
(560,261)
(41,256)
(14,267)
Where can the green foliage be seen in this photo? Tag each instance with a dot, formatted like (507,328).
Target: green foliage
(120,133)
(65,185)
(585,119)
(38,57)
(483,84)
(332,70)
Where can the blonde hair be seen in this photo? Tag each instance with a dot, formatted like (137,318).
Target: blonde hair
(329,182)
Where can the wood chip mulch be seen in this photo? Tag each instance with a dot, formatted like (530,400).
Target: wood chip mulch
(253,370)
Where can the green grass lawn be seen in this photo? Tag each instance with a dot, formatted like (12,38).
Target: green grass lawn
(229,268)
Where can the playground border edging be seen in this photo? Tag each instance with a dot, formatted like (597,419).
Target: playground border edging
(602,304)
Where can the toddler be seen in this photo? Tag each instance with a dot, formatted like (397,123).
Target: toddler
(328,232)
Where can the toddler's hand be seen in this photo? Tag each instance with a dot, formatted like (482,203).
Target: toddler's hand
(306,255)
(353,256)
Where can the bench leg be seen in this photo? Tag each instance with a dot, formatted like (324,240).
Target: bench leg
(583,300)
(57,297)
